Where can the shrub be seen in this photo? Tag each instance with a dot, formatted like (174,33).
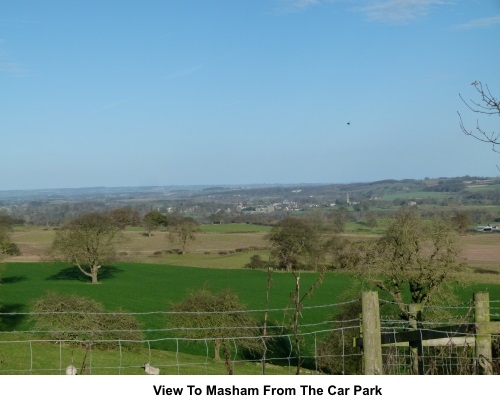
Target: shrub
(336,353)
(84,322)
(256,262)
(11,249)
(218,318)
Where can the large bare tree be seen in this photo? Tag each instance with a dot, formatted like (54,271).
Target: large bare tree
(87,242)
(487,105)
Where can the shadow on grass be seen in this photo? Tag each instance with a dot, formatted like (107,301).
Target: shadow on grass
(74,273)
(9,319)
(281,351)
(12,279)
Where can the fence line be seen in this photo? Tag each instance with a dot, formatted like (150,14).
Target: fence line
(244,311)
(127,362)
(470,346)
(326,345)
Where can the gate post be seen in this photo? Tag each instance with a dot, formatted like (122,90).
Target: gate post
(483,338)
(417,351)
(372,342)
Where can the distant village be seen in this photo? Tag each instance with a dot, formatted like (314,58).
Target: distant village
(265,204)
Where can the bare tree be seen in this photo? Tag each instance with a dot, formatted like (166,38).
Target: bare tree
(183,230)
(415,257)
(84,321)
(292,241)
(217,317)
(87,242)
(487,105)
(153,220)
(125,216)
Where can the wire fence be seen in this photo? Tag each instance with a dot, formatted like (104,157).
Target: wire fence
(323,343)
(451,354)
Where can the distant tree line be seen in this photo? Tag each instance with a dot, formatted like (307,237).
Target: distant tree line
(447,186)
(222,206)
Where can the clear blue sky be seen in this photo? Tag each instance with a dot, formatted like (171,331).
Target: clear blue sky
(184,92)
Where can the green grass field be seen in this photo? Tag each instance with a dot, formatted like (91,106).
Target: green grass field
(144,288)
(148,290)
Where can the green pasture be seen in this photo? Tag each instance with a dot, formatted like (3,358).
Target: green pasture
(141,287)
(209,260)
(148,290)
(360,228)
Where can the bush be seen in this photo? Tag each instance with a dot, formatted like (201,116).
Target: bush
(11,249)
(84,322)
(336,353)
(256,262)
(219,318)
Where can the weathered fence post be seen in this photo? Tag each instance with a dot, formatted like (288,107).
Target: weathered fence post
(483,338)
(417,352)
(372,343)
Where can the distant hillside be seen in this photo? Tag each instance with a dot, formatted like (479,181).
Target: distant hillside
(269,201)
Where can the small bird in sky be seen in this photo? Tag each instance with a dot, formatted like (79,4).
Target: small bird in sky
(474,83)
(348,123)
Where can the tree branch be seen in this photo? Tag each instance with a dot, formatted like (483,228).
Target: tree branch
(488,105)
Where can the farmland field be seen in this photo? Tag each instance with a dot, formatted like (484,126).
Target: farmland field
(227,246)
(149,277)
(415,195)
(148,290)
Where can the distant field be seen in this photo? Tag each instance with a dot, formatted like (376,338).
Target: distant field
(415,195)
(222,246)
(229,246)
(483,187)
(235,228)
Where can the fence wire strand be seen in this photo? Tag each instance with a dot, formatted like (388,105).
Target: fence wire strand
(326,346)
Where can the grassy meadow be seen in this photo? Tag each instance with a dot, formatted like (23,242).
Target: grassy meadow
(147,291)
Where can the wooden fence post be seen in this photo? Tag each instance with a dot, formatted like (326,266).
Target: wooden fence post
(372,343)
(417,352)
(483,338)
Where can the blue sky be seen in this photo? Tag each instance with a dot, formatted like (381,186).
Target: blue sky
(184,92)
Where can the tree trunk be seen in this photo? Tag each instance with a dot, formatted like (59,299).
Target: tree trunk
(94,271)
(296,325)
(217,350)
(227,359)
